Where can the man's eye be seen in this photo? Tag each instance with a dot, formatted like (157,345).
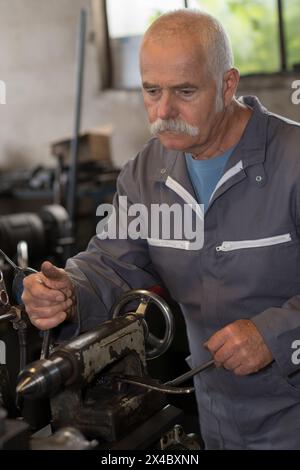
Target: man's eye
(152,91)
(186,92)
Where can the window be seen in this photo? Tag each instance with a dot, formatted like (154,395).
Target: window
(132,17)
(127,22)
(253,26)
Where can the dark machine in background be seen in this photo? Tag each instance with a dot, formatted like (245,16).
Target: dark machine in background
(46,213)
(45,233)
(27,238)
(50,213)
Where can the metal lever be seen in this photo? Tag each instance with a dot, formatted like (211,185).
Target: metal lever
(191,373)
(45,350)
(167,387)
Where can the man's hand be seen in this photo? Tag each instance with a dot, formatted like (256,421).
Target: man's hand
(49,297)
(239,347)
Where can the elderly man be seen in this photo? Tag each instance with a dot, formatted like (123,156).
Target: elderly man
(239,291)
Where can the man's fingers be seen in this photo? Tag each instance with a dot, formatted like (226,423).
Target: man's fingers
(243,370)
(216,341)
(51,271)
(233,362)
(34,287)
(48,296)
(224,353)
(239,347)
(41,302)
(53,277)
(47,312)
(49,323)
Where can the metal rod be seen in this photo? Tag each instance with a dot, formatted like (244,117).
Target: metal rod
(72,183)
(9,261)
(282,45)
(190,373)
(152,384)
(167,387)
(46,344)
(7,316)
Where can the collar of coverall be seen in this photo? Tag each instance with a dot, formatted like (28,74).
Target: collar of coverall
(250,149)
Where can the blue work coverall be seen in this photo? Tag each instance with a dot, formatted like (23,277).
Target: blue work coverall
(248,268)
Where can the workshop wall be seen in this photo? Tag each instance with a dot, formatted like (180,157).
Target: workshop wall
(38,65)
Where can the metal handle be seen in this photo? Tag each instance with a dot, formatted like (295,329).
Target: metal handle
(159,346)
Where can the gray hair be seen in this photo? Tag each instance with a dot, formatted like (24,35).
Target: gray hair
(212,36)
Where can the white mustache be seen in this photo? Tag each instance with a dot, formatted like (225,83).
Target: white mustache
(174,125)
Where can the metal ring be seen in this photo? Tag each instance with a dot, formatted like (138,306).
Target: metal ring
(159,345)
(4,297)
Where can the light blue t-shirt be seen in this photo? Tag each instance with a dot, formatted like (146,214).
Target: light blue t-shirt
(205,174)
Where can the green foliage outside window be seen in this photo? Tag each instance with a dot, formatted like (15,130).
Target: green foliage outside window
(253,28)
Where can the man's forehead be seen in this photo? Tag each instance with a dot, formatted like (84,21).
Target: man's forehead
(173,72)
(182,57)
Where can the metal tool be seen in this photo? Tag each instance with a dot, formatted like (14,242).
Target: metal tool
(167,387)
(17,290)
(191,373)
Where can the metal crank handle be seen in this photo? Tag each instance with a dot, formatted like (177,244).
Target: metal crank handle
(167,387)
(191,373)
(151,384)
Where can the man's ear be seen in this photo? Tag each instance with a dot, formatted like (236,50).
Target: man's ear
(231,80)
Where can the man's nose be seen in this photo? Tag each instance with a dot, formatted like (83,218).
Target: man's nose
(166,107)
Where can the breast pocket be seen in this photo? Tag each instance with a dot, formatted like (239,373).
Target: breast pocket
(175,263)
(266,267)
(257,243)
